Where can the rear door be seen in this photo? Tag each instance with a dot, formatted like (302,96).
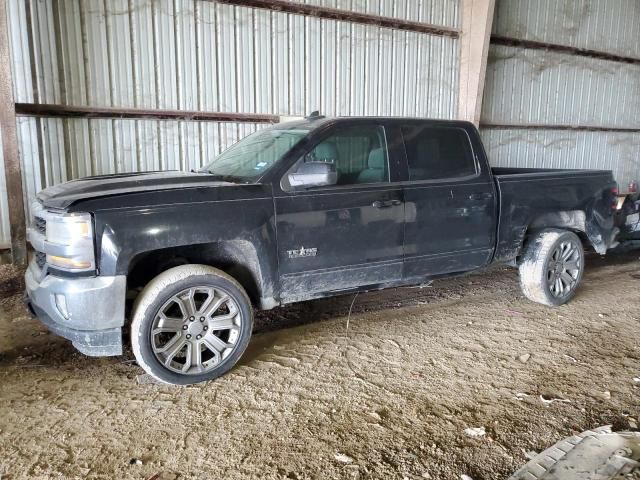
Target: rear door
(347,235)
(450,204)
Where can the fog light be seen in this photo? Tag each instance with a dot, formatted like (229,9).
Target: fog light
(61,304)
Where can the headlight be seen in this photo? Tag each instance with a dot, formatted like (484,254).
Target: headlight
(70,241)
(68,229)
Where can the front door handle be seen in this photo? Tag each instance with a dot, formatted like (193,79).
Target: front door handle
(386,203)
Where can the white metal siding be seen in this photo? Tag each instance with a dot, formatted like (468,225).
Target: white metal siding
(201,55)
(611,26)
(541,87)
(616,151)
(527,86)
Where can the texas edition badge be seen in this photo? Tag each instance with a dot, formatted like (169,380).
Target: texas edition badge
(303,252)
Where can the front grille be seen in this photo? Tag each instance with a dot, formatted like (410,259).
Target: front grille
(41,259)
(40,225)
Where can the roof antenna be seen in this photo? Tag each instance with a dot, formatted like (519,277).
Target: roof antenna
(314,115)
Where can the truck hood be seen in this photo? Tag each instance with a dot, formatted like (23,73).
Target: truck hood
(65,194)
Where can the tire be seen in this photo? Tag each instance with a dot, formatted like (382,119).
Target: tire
(546,276)
(190,324)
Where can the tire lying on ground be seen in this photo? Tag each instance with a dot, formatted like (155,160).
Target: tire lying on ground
(551,266)
(190,324)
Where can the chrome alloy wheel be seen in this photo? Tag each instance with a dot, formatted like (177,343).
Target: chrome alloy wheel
(563,269)
(196,329)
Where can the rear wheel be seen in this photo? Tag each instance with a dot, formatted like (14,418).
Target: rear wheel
(551,267)
(190,324)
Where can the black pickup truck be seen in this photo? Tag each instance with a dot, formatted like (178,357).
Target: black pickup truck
(299,210)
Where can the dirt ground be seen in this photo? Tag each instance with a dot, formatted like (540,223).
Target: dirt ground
(388,397)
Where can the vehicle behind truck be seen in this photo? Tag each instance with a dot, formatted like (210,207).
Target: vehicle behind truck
(296,211)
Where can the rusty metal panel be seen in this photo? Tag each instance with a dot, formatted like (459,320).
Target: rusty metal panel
(616,151)
(541,87)
(610,26)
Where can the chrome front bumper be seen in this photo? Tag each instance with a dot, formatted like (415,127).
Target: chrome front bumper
(89,311)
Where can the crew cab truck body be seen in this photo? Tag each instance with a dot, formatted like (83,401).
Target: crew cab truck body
(299,210)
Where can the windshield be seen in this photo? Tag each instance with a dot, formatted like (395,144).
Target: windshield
(253,155)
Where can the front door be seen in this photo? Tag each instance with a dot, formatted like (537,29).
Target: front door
(348,234)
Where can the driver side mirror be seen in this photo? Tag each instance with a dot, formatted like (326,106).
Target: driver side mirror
(313,174)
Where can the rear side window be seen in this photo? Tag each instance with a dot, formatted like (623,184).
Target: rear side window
(438,152)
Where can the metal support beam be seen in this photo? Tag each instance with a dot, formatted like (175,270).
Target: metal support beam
(67,111)
(538,126)
(13,170)
(288,6)
(477,18)
(554,47)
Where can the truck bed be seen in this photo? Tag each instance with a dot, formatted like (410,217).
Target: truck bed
(533,198)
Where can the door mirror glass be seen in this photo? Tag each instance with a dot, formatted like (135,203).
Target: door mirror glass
(313,174)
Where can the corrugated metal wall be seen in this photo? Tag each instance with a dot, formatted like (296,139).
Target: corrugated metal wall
(604,25)
(615,151)
(201,55)
(541,87)
(4,212)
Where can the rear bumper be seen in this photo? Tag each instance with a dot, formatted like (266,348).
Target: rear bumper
(89,311)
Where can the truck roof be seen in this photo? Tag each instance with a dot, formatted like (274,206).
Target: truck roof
(313,122)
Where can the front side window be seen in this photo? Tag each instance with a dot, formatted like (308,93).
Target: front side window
(436,153)
(252,156)
(352,155)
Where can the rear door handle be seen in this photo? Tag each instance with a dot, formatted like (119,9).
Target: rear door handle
(386,203)
(480,196)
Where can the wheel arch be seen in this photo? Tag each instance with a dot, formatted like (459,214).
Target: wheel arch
(571,220)
(574,220)
(237,258)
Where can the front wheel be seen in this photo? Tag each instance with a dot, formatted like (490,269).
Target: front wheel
(551,267)
(190,324)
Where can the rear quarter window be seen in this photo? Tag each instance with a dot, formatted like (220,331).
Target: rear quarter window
(435,153)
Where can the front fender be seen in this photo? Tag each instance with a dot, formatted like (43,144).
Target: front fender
(245,227)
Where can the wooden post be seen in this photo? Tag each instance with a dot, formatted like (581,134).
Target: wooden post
(12,168)
(477,18)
